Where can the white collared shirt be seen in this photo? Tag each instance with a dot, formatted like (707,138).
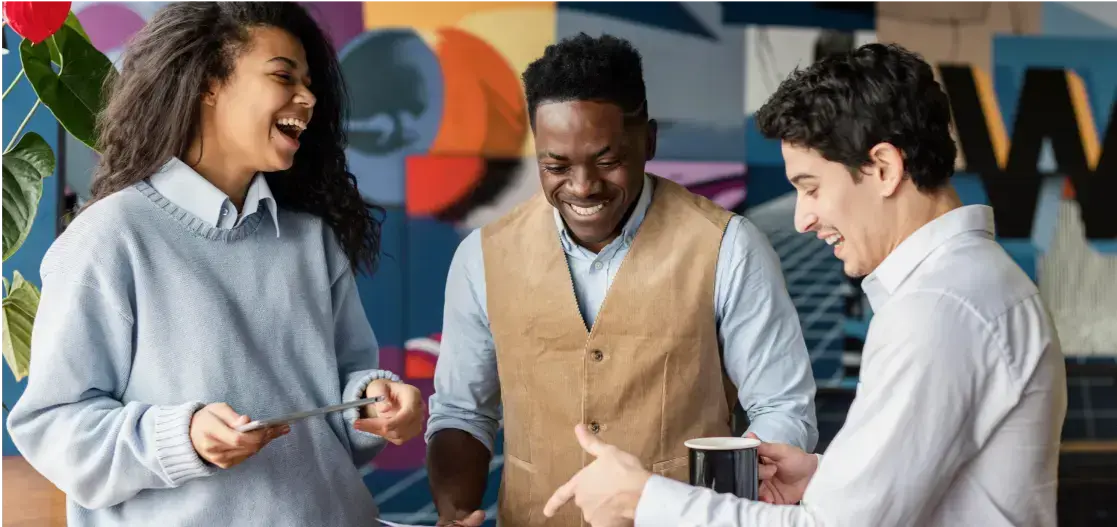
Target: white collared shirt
(187,189)
(958,417)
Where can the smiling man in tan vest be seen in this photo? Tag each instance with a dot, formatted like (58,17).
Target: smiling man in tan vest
(613,298)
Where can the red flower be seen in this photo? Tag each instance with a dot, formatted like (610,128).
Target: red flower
(36,21)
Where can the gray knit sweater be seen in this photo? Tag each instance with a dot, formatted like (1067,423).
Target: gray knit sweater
(148,313)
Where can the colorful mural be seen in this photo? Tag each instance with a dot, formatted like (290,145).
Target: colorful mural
(440,137)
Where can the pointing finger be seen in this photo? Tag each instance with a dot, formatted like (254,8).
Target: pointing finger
(560,497)
(590,443)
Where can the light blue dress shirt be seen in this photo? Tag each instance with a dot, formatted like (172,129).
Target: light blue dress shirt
(189,190)
(758,332)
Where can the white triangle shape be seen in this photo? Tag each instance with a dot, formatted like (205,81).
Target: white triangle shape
(1046,163)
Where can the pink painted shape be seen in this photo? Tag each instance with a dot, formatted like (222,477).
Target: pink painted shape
(730,199)
(721,182)
(688,173)
(410,455)
(392,359)
(341,21)
(109,26)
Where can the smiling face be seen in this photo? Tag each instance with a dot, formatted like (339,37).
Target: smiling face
(853,215)
(257,114)
(591,165)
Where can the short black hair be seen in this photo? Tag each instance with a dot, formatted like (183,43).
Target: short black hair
(584,68)
(845,104)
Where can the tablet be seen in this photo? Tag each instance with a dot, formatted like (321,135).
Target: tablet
(298,416)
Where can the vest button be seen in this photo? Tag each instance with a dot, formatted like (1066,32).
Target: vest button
(597,355)
(595,427)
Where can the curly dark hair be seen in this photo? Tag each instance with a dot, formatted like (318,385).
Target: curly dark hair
(584,68)
(845,104)
(153,111)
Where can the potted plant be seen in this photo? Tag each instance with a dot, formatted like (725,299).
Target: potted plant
(67,73)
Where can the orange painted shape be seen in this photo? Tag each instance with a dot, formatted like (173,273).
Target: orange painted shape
(1068,189)
(427,15)
(484,112)
(419,365)
(434,183)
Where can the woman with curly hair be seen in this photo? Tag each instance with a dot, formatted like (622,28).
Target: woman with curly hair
(210,279)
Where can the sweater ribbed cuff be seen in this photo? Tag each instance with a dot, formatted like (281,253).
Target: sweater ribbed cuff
(173,448)
(356,390)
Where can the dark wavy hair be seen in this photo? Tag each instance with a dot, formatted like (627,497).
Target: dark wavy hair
(845,104)
(153,112)
(584,68)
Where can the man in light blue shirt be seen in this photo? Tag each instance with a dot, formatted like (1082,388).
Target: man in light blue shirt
(758,331)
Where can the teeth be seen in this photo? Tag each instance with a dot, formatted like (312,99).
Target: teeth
(293,122)
(834,239)
(587,211)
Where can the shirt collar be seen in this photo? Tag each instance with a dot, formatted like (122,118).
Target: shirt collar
(899,264)
(186,188)
(630,226)
(260,192)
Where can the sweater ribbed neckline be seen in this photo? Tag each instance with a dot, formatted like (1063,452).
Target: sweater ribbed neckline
(197,225)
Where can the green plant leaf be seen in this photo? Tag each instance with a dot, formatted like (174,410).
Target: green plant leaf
(25,166)
(20,307)
(75,24)
(74,93)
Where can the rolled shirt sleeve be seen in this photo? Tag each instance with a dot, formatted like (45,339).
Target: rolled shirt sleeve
(466,384)
(762,341)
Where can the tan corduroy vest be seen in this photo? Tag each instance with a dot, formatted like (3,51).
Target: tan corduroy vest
(647,377)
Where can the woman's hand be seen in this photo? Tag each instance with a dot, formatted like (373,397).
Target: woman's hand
(399,417)
(214,436)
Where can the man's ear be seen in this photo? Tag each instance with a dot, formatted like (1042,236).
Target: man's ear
(650,141)
(886,165)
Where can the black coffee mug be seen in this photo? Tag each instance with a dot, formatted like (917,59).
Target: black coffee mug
(726,465)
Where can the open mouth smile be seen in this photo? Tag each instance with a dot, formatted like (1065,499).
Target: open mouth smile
(290,128)
(586,211)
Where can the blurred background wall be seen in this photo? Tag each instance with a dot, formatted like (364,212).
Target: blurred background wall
(439,136)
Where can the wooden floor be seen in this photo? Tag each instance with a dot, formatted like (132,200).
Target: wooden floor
(29,499)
